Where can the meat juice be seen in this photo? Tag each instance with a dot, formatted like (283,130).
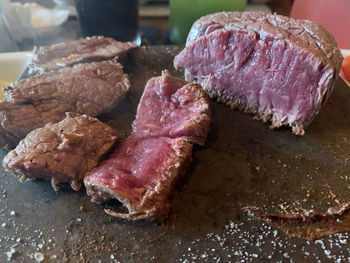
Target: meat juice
(183,13)
(111,18)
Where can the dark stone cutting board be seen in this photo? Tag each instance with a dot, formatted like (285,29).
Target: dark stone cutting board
(243,163)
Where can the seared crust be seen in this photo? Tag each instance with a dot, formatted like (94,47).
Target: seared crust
(62,152)
(91,89)
(84,50)
(307,37)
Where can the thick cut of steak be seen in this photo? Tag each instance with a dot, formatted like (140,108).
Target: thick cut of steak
(171,116)
(67,54)
(275,67)
(91,89)
(62,152)
(172,107)
(141,174)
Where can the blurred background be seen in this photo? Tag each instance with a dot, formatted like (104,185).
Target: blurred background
(25,23)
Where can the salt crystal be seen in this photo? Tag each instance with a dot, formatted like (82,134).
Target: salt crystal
(39,257)
(10,253)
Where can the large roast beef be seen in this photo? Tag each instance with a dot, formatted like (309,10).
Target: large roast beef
(275,67)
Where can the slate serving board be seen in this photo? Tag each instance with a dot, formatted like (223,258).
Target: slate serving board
(243,163)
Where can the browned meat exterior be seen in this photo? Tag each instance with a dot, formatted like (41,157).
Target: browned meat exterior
(275,67)
(141,174)
(173,108)
(67,54)
(63,151)
(91,89)
(171,116)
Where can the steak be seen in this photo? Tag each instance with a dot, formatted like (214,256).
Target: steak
(140,174)
(67,54)
(63,151)
(91,89)
(275,67)
(173,108)
(171,116)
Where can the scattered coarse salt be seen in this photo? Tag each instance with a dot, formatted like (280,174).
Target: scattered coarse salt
(39,257)
(10,253)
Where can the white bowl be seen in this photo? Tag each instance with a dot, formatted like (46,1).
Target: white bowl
(12,66)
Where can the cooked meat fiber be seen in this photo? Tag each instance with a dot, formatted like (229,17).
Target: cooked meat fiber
(62,152)
(141,174)
(67,54)
(172,107)
(91,89)
(275,67)
(172,114)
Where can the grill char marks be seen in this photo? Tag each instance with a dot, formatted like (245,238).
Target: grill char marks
(62,152)
(172,114)
(275,67)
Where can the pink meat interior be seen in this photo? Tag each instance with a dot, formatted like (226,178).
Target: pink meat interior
(166,108)
(134,167)
(266,73)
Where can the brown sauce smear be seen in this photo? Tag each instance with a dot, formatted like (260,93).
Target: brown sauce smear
(310,224)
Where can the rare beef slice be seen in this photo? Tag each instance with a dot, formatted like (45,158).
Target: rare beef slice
(275,67)
(92,89)
(67,54)
(172,107)
(63,151)
(141,174)
(171,116)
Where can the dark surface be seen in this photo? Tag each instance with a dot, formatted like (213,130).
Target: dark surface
(243,163)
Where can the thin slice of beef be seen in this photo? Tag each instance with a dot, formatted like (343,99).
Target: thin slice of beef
(275,67)
(67,54)
(172,114)
(91,89)
(173,108)
(63,151)
(141,174)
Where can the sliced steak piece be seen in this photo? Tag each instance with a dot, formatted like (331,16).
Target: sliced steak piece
(67,54)
(172,107)
(141,174)
(172,114)
(91,89)
(62,152)
(275,67)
